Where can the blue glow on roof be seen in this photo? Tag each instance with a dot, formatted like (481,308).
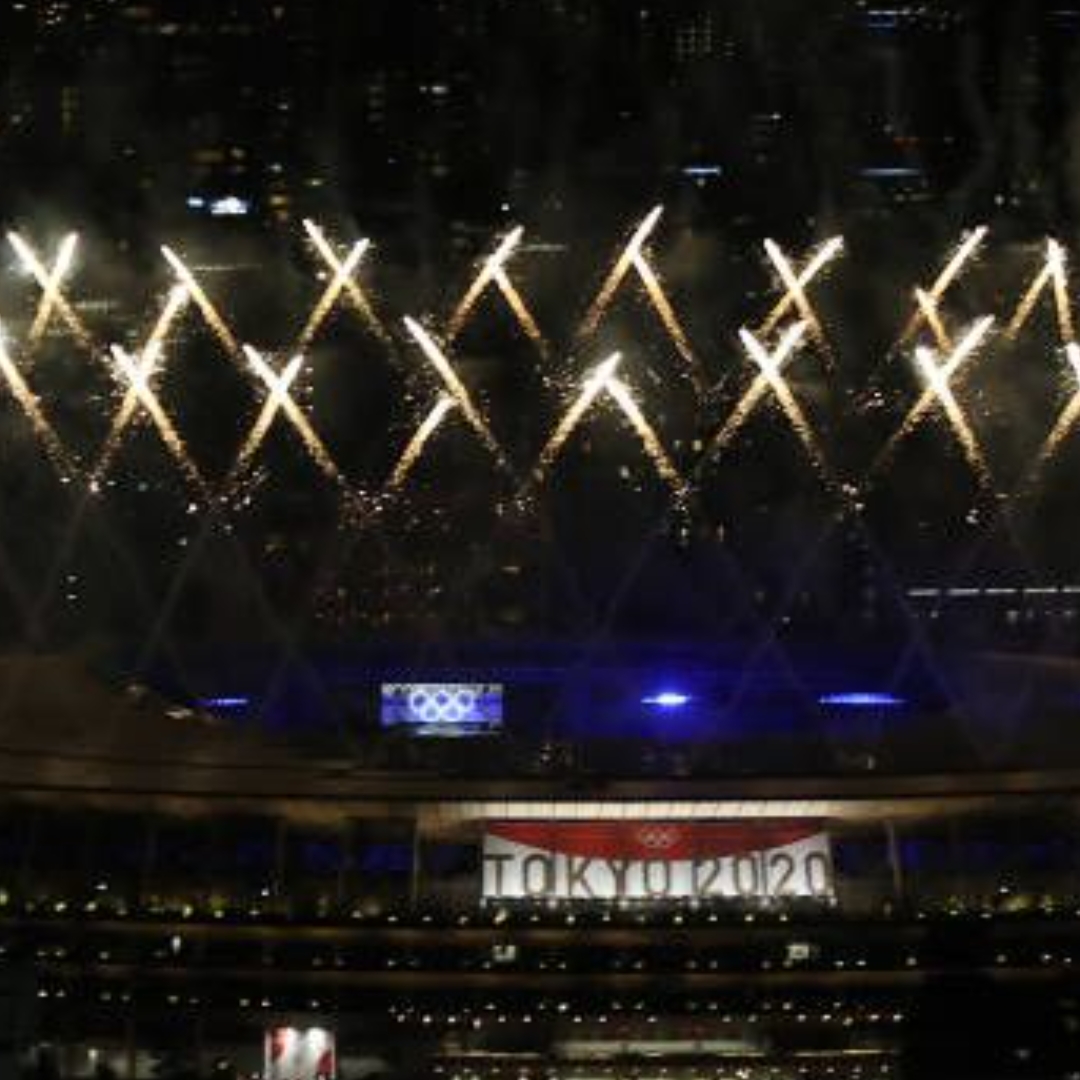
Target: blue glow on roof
(667,699)
(862,699)
(889,172)
(233,701)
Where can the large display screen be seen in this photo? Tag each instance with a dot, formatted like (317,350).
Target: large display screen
(656,860)
(446,710)
(300,1054)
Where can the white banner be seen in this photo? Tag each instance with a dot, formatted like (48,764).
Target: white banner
(656,860)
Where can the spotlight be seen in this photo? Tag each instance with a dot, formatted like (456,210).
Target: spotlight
(667,699)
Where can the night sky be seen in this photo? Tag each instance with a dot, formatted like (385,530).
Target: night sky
(434,129)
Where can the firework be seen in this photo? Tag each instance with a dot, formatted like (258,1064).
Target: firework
(30,405)
(210,313)
(769,376)
(624,398)
(456,387)
(331,294)
(603,379)
(937,378)
(415,447)
(138,372)
(1068,417)
(279,399)
(52,298)
(795,285)
(632,257)
(1055,275)
(346,283)
(493,271)
(593,386)
(938,392)
(932,317)
(965,250)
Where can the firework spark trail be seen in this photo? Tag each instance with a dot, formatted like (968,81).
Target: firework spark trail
(631,257)
(814,265)
(1066,419)
(521,311)
(619,270)
(1061,296)
(493,271)
(932,317)
(138,372)
(939,375)
(280,399)
(770,364)
(593,386)
(146,363)
(604,380)
(939,393)
(30,405)
(624,398)
(52,297)
(321,311)
(456,387)
(1053,273)
(349,285)
(795,292)
(668,317)
(411,454)
(938,379)
(65,257)
(210,313)
(492,264)
(965,250)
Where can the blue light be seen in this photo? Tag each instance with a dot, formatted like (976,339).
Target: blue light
(235,701)
(862,699)
(667,699)
(196,202)
(889,172)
